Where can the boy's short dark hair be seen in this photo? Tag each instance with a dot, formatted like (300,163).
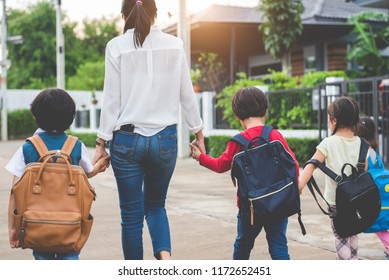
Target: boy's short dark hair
(53,109)
(249,102)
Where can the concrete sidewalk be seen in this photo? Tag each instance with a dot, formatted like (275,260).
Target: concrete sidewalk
(202,213)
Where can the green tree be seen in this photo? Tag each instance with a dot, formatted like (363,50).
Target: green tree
(96,34)
(282,25)
(74,52)
(370,40)
(34,61)
(213,71)
(89,76)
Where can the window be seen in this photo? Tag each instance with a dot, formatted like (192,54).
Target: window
(259,65)
(310,59)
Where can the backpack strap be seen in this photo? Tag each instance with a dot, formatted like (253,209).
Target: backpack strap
(362,154)
(313,187)
(42,150)
(240,139)
(69,144)
(39,145)
(337,178)
(266,130)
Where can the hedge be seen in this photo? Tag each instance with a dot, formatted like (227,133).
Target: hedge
(88,138)
(21,124)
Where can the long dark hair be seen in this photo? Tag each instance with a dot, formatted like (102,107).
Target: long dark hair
(139,14)
(346,112)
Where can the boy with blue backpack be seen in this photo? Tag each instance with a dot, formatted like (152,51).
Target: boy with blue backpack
(367,129)
(250,106)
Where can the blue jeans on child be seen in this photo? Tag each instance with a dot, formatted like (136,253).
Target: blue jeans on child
(275,235)
(143,167)
(55,256)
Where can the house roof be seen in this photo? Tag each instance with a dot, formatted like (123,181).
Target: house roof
(321,11)
(317,12)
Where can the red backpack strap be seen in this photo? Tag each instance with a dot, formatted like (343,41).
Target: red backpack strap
(39,145)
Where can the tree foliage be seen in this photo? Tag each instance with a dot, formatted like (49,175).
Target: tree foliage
(212,69)
(34,61)
(96,34)
(282,25)
(371,39)
(285,108)
(89,76)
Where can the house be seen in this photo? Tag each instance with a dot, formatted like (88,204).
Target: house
(372,3)
(233,33)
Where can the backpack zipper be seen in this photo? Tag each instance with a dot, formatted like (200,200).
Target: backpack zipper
(50,222)
(260,197)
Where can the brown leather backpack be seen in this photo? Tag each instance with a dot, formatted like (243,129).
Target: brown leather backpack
(53,201)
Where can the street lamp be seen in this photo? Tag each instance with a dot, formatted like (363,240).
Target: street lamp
(3,81)
(60,47)
(5,64)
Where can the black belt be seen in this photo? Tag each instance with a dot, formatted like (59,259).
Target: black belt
(127,127)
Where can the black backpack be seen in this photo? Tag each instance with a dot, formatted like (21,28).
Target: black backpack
(265,174)
(358,202)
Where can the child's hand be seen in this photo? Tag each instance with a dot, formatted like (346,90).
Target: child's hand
(194,152)
(103,163)
(301,186)
(13,238)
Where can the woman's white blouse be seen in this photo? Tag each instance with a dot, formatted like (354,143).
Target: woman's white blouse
(145,86)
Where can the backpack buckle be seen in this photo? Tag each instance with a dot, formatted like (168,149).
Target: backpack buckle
(338,178)
(361,166)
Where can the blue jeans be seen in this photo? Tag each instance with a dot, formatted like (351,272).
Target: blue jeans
(275,236)
(55,256)
(143,167)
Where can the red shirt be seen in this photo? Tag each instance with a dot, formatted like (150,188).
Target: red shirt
(223,163)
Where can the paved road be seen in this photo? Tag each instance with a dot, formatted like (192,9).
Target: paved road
(202,213)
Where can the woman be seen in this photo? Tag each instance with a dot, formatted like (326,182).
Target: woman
(146,79)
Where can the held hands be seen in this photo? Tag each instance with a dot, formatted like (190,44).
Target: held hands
(101,153)
(103,163)
(195,152)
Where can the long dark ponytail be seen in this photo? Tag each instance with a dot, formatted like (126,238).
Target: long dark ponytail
(139,14)
(346,112)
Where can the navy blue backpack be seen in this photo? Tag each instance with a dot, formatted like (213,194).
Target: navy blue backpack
(265,174)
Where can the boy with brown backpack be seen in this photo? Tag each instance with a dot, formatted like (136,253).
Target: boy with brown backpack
(50,201)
